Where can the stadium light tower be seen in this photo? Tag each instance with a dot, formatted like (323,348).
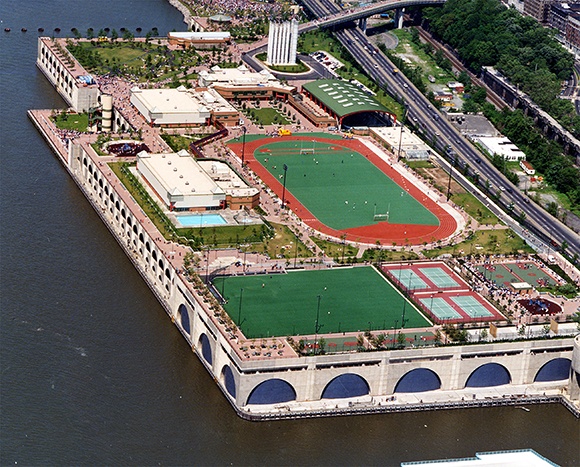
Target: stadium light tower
(317,326)
(244,130)
(285,167)
(240,309)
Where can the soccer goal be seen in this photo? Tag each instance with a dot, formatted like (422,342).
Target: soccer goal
(378,217)
(307,151)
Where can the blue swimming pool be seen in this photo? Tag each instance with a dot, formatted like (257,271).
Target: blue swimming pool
(199,220)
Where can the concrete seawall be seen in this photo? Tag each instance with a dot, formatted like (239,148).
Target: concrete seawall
(238,377)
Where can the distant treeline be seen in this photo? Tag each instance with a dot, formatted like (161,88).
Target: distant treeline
(486,33)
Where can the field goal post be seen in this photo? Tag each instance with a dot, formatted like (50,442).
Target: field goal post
(378,217)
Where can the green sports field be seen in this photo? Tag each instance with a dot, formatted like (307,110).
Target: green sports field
(340,186)
(351,299)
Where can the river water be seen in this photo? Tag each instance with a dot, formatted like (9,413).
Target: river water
(93,371)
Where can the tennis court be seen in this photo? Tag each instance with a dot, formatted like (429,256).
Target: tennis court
(457,307)
(440,308)
(345,300)
(439,277)
(471,306)
(411,280)
(433,276)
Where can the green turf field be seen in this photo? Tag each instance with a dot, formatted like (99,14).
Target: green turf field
(341,187)
(352,299)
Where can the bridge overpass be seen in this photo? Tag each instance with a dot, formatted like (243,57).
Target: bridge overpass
(341,17)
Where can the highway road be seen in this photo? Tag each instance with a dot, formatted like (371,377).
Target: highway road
(444,137)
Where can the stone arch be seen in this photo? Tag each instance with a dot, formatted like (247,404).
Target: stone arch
(148,247)
(346,385)
(229,380)
(206,348)
(554,370)
(272,391)
(418,380)
(184,318)
(154,255)
(490,374)
(141,238)
(135,229)
(167,273)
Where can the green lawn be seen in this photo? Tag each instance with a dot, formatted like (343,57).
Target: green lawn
(351,299)
(78,122)
(267,116)
(340,186)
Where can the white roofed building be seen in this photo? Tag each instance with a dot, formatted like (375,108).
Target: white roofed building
(185,184)
(501,146)
(183,107)
(242,83)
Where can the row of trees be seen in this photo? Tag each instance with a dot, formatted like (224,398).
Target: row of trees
(486,33)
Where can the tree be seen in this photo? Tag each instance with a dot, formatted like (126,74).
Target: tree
(401,339)
(114,35)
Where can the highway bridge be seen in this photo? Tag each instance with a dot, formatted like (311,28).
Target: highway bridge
(340,17)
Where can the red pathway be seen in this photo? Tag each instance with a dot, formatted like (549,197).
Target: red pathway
(384,232)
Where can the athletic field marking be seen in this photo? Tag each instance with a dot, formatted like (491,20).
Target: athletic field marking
(440,308)
(439,277)
(471,306)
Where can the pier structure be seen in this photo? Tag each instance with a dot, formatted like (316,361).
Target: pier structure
(286,384)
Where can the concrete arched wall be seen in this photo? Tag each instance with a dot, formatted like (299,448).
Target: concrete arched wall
(345,386)
(418,380)
(272,391)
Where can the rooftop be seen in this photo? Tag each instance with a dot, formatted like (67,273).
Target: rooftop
(343,98)
(181,100)
(179,173)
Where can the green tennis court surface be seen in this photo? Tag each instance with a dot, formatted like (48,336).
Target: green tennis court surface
(439,277)
(351,300)
(440,308)
(339,186)
(471,307)
(410,279)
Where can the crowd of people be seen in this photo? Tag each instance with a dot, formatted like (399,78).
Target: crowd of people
(235,8)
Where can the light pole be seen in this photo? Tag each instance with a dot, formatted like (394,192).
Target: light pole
(401,135)
(317,326)
(285,167)
(451,164)
(240,310)
(244,129)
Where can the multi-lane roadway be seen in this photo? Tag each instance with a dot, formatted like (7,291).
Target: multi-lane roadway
(427,119)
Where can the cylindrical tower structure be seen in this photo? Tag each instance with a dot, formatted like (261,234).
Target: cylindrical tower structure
(107,103)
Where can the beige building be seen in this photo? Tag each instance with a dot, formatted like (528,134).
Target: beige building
(186,184)
(183,107)
(241,83)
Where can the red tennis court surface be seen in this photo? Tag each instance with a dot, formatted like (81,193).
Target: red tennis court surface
(441,293)
(383,232)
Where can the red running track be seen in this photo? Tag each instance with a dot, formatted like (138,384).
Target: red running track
(384,232)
